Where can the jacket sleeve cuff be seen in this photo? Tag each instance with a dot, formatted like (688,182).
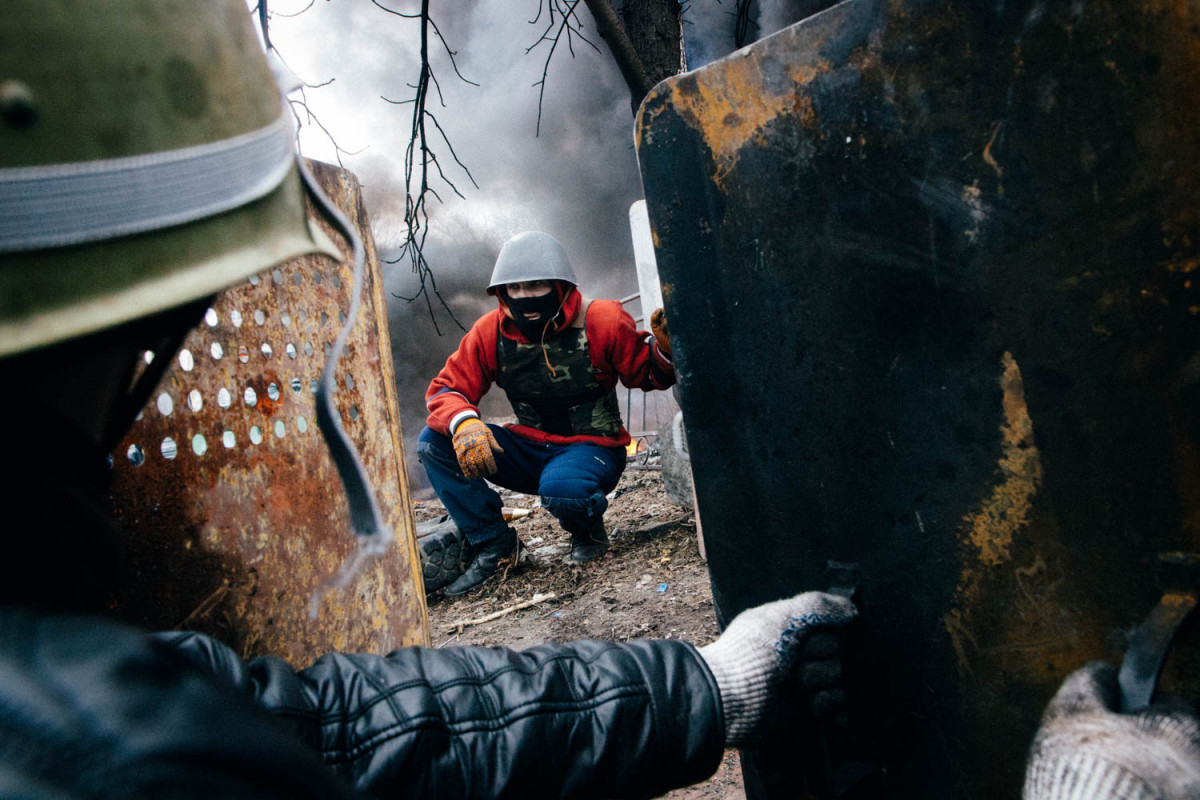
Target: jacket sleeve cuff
(461,417)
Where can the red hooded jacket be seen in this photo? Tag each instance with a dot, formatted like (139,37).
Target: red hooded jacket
(618,351)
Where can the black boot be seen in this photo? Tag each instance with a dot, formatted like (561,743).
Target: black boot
(488,558)
(589,544)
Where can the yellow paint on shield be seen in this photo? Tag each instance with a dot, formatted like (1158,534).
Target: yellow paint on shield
(732,106)
(1000,518)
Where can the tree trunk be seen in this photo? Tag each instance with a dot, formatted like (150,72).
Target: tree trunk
(647,44)
(656,30)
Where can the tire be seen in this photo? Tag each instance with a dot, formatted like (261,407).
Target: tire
(445,552)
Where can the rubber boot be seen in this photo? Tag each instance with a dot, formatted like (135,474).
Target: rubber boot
(589,544)
(488,559)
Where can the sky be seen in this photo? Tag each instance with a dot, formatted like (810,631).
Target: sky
(574,179)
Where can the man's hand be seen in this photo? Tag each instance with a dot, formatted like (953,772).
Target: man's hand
(1085,749)
(473,444)
(756,654)
(658,326)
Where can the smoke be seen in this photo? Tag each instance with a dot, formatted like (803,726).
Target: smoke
(708,31)
(709,25)
(576,180)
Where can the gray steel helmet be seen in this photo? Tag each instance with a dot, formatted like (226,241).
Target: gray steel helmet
(531,256)
(146,160)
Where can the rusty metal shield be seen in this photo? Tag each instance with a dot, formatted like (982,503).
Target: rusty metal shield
(931,276)
(232,510)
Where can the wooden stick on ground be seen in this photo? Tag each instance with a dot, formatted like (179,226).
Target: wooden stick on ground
(533,601)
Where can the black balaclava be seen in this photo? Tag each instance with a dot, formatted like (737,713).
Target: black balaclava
(546,307)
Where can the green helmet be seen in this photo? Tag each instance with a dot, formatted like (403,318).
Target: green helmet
(531,256)
(146,160)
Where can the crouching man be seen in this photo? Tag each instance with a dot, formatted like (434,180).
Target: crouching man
(93,708)
(558,357)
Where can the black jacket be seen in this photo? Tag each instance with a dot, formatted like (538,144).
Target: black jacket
(93,709)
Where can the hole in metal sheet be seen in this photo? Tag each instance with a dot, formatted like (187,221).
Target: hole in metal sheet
(236,318)
(349,381)
(254,280)
(302,316)
(297,277)
(280,429)
(337,280)
(165,406)
(308,348)
(224,399)
(353,412)
(277,276)
(296,385)
(315,384)
(199,444)
(229,440)
(148,357)
(273,391)
(256,435)
(324,318)
(108,459)
(318,278)
(169,448)
(266,350)
(210,318)
(286,319)
(302,424)
(195,402)
(139,416)
(328,349)
(217,351)
(243,353)
(290,350)
(186,361)
(260,317)
(136,455)
(341,317)
(251,396)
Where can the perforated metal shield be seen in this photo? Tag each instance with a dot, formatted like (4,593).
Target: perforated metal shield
(233,510)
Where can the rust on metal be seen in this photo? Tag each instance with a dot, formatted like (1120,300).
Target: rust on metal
(232,509)
(968,232)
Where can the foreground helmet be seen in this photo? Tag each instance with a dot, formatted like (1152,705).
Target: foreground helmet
(146,160)
(531,256)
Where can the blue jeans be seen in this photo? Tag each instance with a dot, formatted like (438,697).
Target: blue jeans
(572,480)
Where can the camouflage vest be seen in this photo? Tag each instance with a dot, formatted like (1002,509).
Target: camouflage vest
(568,401)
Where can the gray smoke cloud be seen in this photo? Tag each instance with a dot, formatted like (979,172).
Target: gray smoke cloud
(709,25)
(576,180)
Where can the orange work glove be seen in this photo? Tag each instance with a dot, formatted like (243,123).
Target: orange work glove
(658,326)
(473,444)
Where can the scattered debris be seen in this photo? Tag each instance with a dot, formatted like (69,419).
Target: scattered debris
(610,598)
(533,601)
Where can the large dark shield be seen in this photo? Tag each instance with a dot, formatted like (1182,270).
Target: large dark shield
(931,272)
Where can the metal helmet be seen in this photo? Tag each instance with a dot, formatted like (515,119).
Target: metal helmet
(531,256)
(146,160)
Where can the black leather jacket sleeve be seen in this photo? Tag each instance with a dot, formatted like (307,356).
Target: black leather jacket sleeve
(584,720)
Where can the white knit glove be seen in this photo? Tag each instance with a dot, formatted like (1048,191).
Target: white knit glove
(754,657)
(1085,750)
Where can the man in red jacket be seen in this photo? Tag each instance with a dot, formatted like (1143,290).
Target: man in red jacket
(558,357)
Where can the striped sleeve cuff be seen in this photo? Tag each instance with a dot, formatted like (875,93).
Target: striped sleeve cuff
(461,417)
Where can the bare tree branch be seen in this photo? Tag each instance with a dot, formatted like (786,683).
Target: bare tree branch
(418,158)
(568,24)
(294,13)
(741,26)
(628,61)
(300,109)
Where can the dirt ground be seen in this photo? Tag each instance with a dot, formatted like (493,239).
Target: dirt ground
(652,583)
